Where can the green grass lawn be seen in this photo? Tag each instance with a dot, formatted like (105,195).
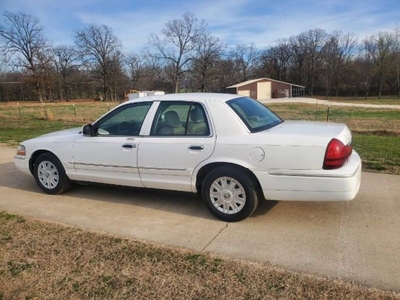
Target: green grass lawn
(356,118)
(15,130)
(390,100)
(378,153)
(379,150)
(21,122)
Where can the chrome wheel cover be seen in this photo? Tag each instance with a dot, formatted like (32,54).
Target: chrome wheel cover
(227,195)
(48,175)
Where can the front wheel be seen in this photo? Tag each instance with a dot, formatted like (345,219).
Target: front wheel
(50,174)
(230,193)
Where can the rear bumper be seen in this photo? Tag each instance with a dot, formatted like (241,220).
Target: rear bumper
(306,185)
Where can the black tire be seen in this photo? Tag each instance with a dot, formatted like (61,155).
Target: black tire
(222,203)
(50,174)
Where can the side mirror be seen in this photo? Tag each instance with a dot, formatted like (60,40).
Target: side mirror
(88,130)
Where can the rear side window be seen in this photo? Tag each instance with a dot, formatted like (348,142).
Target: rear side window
(254,115)
(180,119)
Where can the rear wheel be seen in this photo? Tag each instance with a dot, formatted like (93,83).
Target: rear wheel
(230,193)
(50,174)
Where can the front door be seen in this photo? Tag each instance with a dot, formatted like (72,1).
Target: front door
(180,139)
(110,155)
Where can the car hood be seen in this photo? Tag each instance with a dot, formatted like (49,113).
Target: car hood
(306,133)
(57,136)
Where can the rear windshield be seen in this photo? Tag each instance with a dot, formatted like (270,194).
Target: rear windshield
(255,115)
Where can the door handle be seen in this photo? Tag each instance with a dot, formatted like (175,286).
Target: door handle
(129,146)
(193,147)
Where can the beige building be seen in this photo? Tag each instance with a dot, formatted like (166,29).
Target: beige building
(266,88)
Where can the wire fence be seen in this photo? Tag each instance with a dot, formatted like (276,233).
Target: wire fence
(358,119)
(58,111)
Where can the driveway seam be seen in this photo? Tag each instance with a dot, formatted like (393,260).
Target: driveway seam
(213,239)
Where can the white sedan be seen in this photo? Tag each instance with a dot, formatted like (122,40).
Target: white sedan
(232,150)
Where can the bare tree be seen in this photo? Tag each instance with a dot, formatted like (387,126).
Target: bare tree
(276,61)
(118,80)
(23,36)
(396,59)
(379,47)
(246,59)
(313,42)
(136,67)
(99,46)
(47,73)
(297,61)
(363,69)
(175,47)
(65,59)
(337,54)
(204,65)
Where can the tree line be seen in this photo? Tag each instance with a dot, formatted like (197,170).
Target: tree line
(185,56)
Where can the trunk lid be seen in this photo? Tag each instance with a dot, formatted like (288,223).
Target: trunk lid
(306,133)
(300,145)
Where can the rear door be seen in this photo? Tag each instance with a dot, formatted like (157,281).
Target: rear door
(180,139)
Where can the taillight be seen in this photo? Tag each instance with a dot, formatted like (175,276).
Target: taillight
(336,154)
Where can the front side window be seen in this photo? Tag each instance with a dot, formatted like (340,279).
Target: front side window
(254,115)
(124,121)
(180,119)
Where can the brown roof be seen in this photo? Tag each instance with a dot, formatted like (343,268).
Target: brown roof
(259,79)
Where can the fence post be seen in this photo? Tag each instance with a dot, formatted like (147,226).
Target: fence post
(108,106)
(316,109)
(327,114)
(45,111)
(73,105)
(19,110)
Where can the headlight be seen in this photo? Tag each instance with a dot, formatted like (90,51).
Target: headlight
(21,150)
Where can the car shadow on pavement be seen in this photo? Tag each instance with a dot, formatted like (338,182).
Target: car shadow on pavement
(169,201)
(10,177)
(189,204)
(264,206)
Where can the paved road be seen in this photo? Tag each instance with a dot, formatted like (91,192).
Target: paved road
(328,102)
(357,240)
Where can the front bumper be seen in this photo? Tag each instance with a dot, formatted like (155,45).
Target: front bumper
(22,164)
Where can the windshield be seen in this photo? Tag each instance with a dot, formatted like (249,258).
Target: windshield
(255,115)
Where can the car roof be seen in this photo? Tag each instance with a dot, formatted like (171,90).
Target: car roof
(217,97)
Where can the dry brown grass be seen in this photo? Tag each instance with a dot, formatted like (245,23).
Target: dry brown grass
(67,111)
(43,260)
(356,118)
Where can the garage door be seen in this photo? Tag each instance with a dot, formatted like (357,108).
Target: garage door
(263,90)
(245,93)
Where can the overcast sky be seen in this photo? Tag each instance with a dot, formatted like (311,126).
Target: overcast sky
(262,22)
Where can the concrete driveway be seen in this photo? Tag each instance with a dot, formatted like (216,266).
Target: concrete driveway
(357,240)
